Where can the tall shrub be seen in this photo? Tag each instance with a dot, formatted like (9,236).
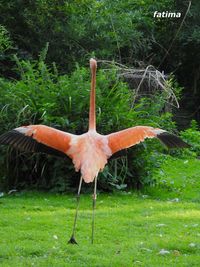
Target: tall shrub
(42,96)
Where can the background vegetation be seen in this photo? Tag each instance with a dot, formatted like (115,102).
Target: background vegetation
(44,51)
(122,30)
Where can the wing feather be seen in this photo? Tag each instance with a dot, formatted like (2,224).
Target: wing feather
(134,135)
(38,138)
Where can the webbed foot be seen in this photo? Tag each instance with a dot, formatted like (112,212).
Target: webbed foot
(72,241)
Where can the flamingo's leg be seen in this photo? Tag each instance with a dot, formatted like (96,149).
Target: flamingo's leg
(72,239)
(94,206)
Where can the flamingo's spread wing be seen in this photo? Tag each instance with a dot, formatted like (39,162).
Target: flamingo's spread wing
(132,136)
(38,138)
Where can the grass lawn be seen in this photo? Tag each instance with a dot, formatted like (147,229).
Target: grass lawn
(159,227)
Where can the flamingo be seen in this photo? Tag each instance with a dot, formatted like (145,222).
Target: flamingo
(89,151)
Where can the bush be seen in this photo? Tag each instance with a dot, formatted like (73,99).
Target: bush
(192,137)
(42,96)
(122,30)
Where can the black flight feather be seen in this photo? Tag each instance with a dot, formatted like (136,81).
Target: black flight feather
(172,141)
(27,143)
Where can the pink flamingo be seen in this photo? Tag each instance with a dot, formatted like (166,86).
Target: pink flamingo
(89,151)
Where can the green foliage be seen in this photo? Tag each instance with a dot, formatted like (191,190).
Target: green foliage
(6,46)
(120,30)
(42,96)
(71,32)
(192,137)
(114,175)
(5,42)
(124,31)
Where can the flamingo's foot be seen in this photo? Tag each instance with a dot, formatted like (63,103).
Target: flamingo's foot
(72,241)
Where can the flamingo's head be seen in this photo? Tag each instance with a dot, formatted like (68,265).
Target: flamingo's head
(93,63)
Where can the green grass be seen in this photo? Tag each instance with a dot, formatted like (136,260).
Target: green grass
(178,178)
(130,229)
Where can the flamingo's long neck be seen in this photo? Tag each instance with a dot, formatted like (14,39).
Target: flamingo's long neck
(92,114)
